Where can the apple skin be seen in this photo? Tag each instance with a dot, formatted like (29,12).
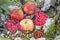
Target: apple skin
(17,14)
(29,7)
(26,25)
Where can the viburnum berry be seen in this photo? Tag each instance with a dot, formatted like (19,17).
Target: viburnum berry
(38,33)
(41,18)
(10,25)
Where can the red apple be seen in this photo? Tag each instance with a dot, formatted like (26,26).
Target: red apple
(17,14)
(26,25)
(29,7)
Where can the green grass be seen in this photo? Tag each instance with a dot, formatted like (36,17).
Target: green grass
(3,38)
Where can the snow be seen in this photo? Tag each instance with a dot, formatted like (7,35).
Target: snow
(11,7)
(47,24)
(41,38)
(57,37)
(18,38)
(47,4)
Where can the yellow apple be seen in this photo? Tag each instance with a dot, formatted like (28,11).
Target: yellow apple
(26,25)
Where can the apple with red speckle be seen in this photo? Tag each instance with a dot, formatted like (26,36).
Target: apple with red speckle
(26,25)
(30,7)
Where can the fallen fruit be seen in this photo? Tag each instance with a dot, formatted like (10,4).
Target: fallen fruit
(17,14)
(26,25)
(29,7)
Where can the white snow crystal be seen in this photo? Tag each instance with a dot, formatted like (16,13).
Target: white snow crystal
(41,38)
(11,7)
(32,38)
(8,32)
(3,17)
(18,38)
(41,0)
(2,35)
(47,4)
(57,37)
(18,32)
(38,27)
(47,24)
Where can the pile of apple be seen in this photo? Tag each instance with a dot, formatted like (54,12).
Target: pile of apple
(19,21)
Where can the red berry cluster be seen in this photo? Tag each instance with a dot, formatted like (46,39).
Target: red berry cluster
(38,34)
(41,18)
(10,25)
